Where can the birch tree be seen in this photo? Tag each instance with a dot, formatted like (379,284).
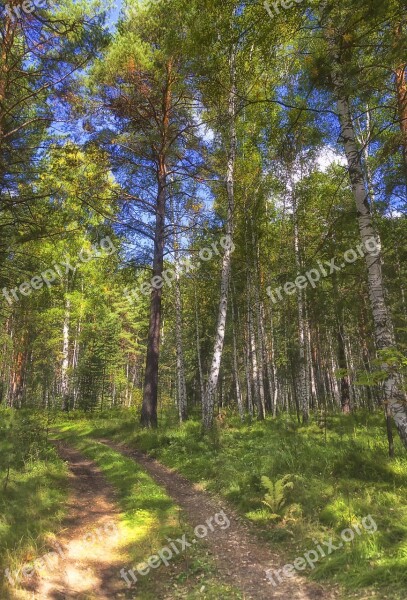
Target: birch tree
(384,334)
(211,387)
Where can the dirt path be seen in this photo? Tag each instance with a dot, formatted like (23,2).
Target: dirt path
(87,552)
(88,555)
(238,554)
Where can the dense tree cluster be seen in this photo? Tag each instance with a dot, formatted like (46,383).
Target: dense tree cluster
(188,123)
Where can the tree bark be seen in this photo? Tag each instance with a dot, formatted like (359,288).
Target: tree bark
(181,385)
(210,392)
(401,92)
(302,334)
(198,348)
(6,46)
(150,392)
(267,359)
(273,360)
(311,373)
(254,364)
(393,395)
(65,358)
(239,397)
(260,340)
(249,380)
(343,366)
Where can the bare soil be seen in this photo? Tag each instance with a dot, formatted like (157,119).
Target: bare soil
(87,556)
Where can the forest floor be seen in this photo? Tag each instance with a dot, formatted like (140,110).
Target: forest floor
(239,556)
(88,554)
(126,495)
(92,546)
(339,476)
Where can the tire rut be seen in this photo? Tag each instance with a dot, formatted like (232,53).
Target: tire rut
(86,557)
(241,560)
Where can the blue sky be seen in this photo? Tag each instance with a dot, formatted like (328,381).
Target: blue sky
(114,14)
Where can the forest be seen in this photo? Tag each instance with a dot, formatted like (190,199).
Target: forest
(203,299)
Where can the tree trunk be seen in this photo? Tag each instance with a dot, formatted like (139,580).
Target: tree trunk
(303,396)
(181,386)
(401,91)
(273,360)
(267,359)
(389,430)
(150,393)
(17,388)
(198,349)
(260,343)
(249,381)
(393,395)
(239,397)
(311,372)
(65,358)
(259,349)
(343,366)
(365,144)
(6,46)
(253,357)
(75,360)
(209,397)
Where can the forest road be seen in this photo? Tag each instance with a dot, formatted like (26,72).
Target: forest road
(87,555)
(241,559)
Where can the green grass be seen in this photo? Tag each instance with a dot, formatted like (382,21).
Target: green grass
(32,496)
(340,475)
(148,518)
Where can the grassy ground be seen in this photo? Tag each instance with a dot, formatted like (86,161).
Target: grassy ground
(337,473)
(33,490)
(149,518)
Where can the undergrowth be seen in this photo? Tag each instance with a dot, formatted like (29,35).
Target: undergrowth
(33,491)
(339,470)
(149,518)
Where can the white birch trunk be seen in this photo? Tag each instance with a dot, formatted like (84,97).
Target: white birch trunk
(249,381)
(267,360)
(75,360)
(210,392)
(334,382)
(393,394)
(254,364)
(260,352)
(65,357)
(198,349)
(273,360)
(181,385)
(239,397)
(302,337)
(311,371)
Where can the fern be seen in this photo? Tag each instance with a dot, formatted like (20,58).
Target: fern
(276,497)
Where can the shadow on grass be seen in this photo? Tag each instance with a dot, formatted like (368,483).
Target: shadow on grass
(340,469)
(149,519)
(31,509)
